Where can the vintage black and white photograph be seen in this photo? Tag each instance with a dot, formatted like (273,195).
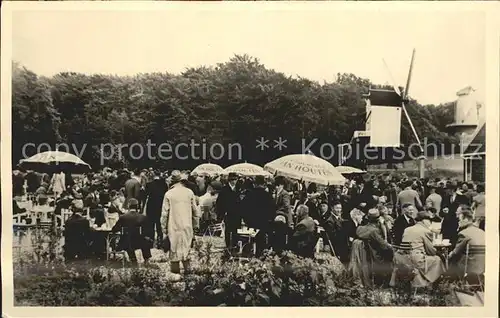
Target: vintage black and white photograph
(265,157)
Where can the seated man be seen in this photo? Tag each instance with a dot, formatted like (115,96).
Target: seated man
(76,236)
(304,236)
(469,235)
(379,251)
(423,254)
(134,227)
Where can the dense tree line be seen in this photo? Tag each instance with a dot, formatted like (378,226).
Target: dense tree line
(237,101)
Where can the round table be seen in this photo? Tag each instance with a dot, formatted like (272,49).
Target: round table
(443,249)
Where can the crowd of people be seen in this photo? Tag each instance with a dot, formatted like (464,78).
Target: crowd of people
(381,215)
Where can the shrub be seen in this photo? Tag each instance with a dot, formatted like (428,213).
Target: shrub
(272,280)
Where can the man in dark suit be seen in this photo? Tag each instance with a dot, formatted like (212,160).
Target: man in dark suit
(304,237)
(155,192)
(76,236)
(406,219)
(259,211)
(135,228)
(228,207)
(453,199)
(312,203)
(133,189)
(331,221)
(283,200)
(361,197)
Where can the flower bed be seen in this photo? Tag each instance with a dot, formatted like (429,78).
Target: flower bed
(285,280)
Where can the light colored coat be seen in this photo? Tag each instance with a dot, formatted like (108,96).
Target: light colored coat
(179,208)
(470,235)
(58,183)
(423,255)
(434,200)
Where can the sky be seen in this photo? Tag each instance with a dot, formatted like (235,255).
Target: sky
(316,43)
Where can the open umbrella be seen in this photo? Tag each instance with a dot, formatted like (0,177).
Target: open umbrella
(349,170)
(246,169)
(209,169)
(49,161)
(306,167)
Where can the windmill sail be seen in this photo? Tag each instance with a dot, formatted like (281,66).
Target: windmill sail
(384,122)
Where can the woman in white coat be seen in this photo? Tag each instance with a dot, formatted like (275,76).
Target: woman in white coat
(58,183)
(179,208)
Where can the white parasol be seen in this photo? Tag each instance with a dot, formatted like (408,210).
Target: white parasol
(305,167)
(50,160)
(349,170)
(247,169)
(209,169)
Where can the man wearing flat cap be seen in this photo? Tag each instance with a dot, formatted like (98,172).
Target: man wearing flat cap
(228,208)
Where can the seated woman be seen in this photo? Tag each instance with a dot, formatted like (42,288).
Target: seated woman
(371,255)
(386,222)
(113,209)
(423,254)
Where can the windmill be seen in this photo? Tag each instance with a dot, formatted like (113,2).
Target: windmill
(386,106)
(404,100)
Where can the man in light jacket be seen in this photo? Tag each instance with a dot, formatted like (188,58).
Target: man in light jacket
(469,235)
(179,207)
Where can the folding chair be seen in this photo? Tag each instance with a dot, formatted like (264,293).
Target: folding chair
(474,253)
(125,233)
(212,229)
(405,249)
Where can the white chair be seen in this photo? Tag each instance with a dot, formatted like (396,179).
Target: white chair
(213,229)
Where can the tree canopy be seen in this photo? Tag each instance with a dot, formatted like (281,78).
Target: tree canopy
(238,101)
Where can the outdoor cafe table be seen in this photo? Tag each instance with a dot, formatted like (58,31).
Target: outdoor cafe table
(443,249)
(249,236)
(107,234)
